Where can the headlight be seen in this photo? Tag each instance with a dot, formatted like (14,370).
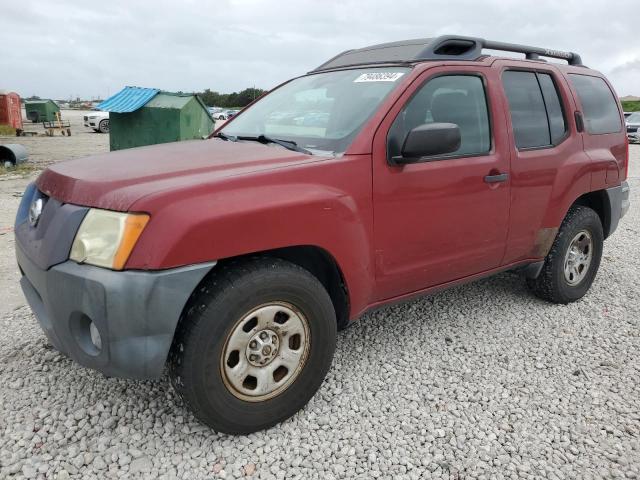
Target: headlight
(106,238)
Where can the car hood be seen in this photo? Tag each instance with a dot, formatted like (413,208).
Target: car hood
(114,181)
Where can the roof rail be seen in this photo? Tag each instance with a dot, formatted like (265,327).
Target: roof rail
(532,53)
(445,47)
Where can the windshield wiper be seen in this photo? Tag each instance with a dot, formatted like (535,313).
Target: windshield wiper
(288,144)
(224,136)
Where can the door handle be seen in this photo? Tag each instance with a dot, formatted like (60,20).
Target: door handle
(500,177)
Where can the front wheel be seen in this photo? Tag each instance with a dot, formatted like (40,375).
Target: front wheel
(254,345)
(574,258)
(103,126)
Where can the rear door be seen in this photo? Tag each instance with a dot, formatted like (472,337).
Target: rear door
(548,164)
(446,217)
(544,158)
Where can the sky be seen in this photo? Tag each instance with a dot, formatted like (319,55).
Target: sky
(70,48)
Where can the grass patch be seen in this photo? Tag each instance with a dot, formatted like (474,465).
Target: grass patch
(7,131)
(631,106)
(22,169)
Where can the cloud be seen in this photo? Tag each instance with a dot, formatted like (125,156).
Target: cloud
(633,66)
(90,49)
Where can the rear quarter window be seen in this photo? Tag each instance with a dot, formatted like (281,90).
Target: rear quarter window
(599,105)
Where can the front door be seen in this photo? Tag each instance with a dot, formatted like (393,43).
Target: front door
(446,217)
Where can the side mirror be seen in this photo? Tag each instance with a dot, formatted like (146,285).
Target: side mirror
(428,140)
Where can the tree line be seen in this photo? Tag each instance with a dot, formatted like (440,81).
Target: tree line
(217,99)
(631,105)
(229,100)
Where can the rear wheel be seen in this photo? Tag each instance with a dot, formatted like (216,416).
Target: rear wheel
(574,258)
(254,345)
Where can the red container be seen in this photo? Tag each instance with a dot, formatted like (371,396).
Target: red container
(10,111)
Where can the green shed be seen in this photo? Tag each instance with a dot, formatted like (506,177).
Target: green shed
(41,110)
(155,117)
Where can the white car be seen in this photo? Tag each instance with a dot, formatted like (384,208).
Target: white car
(217,113)
(633,127)
(97,120)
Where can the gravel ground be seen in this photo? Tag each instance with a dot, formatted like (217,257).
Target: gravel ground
(481,381)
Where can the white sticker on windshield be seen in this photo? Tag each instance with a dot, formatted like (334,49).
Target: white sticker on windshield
(379,77)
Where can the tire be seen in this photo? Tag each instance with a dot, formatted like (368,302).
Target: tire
(582,229)
(203,352)
(103,126)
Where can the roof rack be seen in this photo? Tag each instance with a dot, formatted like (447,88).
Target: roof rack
(445,47)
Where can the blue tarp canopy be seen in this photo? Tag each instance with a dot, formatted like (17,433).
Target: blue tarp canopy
(129,99)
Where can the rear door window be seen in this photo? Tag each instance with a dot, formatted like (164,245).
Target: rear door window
(557,124)
(528,112)
(599,105)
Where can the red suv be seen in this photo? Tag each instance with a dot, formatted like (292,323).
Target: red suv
(388,172)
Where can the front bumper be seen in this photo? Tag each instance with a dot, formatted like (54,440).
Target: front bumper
(135,312)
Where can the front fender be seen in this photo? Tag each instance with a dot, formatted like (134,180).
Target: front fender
(265,212)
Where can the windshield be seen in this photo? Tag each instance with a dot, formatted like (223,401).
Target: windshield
(633,118)
(321,113)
